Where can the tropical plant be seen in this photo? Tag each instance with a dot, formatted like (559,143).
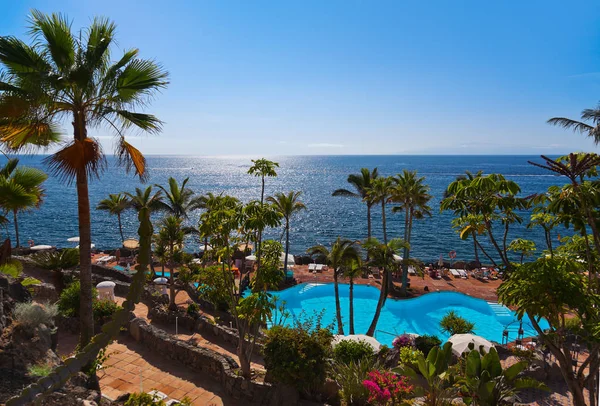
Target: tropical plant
(20,189)
(179,201)
(386,387)
(32,315)
(212,286)
(350,377)
(412,197)
(409,356)
(437,390)
(524,247)
(403,340)
(426,342)
(471,225)
(352,271)
(115,205)
(262,168)
(342,254)
(484,382)
(381,255)
(453,324)
(270,275)
(347,351)
(57,262)
(144,399)
(66,75)
(361,183)
(287,205)
(380,192)
(592,130)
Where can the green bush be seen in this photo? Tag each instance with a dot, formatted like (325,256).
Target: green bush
(409,357)
(32,314)
(350,377)
(213,287)
(193,309)
(426,342)
(104,309)
(68,303)
(453,324)
(297,356)
(347,351)
(144,399)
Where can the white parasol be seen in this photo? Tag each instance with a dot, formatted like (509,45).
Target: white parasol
(131,244)
(397,258)
(460,343)
(251,258)
(41,247)
(290,258)
(73,239)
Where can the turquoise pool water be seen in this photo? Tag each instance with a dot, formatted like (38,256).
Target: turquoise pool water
(421,315)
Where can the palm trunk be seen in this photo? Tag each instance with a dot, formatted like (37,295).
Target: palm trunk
(351,309)
(287,246)
(383,221)
(338,309)
(86,317)
(368,221)
(475,248)
(120,227)
(405,251)
(380,303)
(172,304)
(16,229)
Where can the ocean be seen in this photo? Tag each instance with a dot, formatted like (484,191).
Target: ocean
(317,177)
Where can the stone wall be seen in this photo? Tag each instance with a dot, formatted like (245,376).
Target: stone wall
(220,367)
(111,273)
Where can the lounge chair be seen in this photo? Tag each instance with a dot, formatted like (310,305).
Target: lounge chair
(462,273)
(312,267)
(455,273)
(319,267)
(411,270)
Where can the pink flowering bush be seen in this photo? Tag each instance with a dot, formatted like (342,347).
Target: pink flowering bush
(404,340)
(386,388)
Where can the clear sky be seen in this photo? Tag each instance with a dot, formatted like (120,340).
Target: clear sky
(356,77)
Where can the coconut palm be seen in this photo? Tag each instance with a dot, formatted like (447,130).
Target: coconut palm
(353,270)
(179,200)
(20,190)
(591,129)
(412,196)
(361,183)
(262,168)
(381,255)
(67,75)
(287,205)
(342,254)
(116,204)
(379,192)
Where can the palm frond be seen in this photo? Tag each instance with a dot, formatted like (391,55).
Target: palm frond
(77,157)
(568,123)
(56,30)
(140,78)
(132,159)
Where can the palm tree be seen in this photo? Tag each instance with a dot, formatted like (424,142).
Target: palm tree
(207,202)
(361,183)
(592,130)
(340,257)
(412,196)
(70,76)
(287,205)
(115,205)
(20,190)
(382,256)
(179,200)
(352,271)
(145,202)
(261,168)
(380,191)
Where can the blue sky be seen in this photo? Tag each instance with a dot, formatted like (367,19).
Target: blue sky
(356,77)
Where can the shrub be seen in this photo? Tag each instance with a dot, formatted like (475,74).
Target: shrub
(144,399)
(39,370)
(104,309)
(404,340)
(213,287)
(409,356)
(386,387)
(347,351)
(350,377)
(32,314)
(426,342)
(68,302)
(193,308)
(453,324)
(297,356)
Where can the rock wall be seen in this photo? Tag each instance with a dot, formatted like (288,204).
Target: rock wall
(220,367)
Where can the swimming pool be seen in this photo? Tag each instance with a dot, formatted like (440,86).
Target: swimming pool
(420,315)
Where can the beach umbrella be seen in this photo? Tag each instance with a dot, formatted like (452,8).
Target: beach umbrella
(244,247)
(251,258)
(161,281)
(397,258)
(91,246)
(73,239)
(290,258)
(460,343)
(357,337)
(131,244)
(41,247)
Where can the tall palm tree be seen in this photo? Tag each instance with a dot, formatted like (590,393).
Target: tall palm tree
(361,183)
(412,196)
(339,257)
(20,190)
(207,202)
(353,270)
(382,256)
(380,191)
(179,200)
(592,129)
(262,168)
(71,76)
(287,205)
(145,202)
(116,204)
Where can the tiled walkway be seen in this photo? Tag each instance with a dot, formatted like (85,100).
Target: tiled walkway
(133,368)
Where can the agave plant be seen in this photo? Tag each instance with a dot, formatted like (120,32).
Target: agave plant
(57,262)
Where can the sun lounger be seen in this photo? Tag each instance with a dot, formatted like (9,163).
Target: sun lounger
(312,267)
(462,273)
(411,270)
(319,267)
(455,273)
